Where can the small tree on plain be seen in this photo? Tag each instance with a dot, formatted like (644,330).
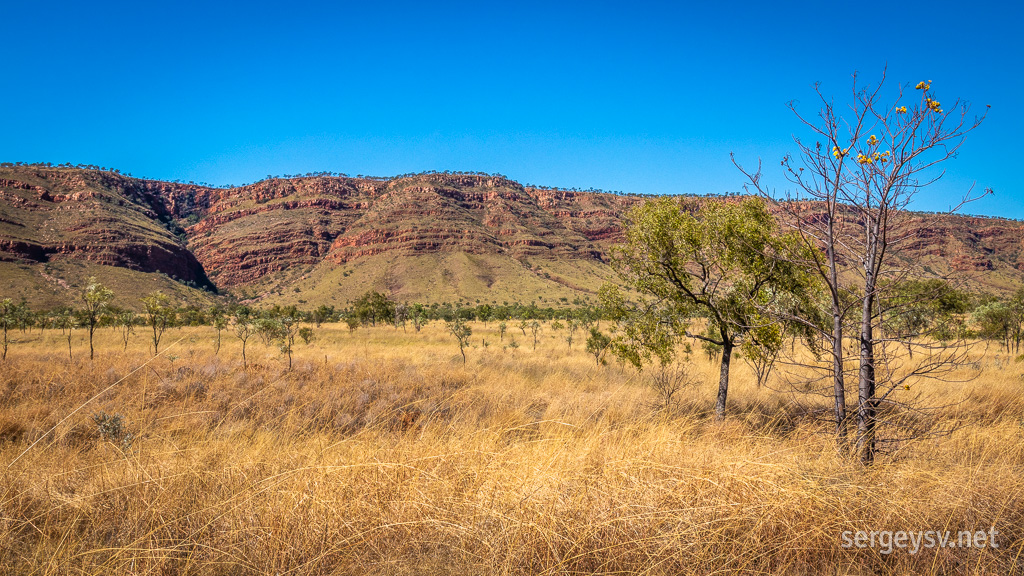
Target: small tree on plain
(535,331)
(96,298)
(268,329)
(726,264)
(244,330)
(458,328)
(64,320)
(571,327)
(286,339)
(125,322)
(160,316)
(373,307)
(12,316)
(597,344)
(352,321)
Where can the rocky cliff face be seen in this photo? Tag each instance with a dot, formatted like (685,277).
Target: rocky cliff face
(98,217)
(278,231)
(304,221)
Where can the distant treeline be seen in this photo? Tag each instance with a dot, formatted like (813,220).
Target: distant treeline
(328,174)
(978,315)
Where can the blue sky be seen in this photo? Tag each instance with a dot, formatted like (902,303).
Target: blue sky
(633,96)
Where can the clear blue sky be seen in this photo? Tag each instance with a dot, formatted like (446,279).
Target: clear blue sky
(633,96)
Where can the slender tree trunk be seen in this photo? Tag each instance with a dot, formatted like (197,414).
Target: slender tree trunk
(838,378)
(838,381)
(723,379)
(91,352)
(867,404)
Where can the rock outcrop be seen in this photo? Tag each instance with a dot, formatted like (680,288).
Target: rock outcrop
(278,230)
(98,217)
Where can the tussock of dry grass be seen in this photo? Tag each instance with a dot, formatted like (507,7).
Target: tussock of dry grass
(381,453)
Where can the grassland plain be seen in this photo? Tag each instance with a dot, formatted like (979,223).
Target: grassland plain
(380,452)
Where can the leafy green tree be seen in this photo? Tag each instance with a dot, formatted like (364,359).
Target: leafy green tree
(241,321)
(269,330)
(64,320)
(96,298)
(419,316)
(352,321)
(644,331)
(727,265)
(458,328)
(373,307)
(996,322)
(219,321)
(12,316)
(323,313)
(125,322)
(286,336)
(598,344)
(571,327)
(535,332)
(484,312)
(160,316)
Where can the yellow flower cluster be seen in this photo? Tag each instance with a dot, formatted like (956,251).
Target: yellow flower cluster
(880,157)
(901,109)
(924,85)
(839,153)
(933,105)
(872,140)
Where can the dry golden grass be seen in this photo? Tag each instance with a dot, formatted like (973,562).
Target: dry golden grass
(381,453)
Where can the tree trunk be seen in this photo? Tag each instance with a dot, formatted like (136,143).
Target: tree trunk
(838,381)
(91,352)
(867,404)
(723,380)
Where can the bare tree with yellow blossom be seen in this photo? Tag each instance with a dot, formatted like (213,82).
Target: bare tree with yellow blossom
(852,183)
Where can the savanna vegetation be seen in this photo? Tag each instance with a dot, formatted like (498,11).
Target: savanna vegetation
(390,437)
(362,448)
